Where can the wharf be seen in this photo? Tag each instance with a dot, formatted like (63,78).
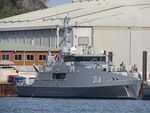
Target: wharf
(7,90)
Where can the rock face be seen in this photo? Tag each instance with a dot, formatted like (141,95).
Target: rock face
(15,7)
(31,4)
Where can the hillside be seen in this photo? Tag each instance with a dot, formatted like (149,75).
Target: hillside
(15,7)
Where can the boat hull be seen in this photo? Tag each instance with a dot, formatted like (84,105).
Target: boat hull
(146,93)
(107,92)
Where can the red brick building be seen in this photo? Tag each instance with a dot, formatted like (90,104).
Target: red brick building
(25,54)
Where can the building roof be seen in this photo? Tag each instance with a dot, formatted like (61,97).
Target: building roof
(84,13)
(6,63)
(12,46)
(25,68)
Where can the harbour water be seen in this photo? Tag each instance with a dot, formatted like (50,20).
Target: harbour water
(49,105)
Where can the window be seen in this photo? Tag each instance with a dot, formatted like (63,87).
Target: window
(30,57)
(18,57)
(42,57)
(5,56)
(59,76)
(84,58)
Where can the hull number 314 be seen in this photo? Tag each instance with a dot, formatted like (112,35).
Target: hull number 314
(96,79)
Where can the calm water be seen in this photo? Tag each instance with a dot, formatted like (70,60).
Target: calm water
(42,105)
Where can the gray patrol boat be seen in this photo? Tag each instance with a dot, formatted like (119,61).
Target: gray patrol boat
(79,76)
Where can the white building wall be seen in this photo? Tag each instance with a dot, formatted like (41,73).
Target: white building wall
(44,37)
(140,42)
(127,44)
(114,40)
(80,32)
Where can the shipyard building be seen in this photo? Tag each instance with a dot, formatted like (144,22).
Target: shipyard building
(119,26)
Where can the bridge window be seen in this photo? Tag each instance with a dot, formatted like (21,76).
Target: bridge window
(84,58)
(59,76)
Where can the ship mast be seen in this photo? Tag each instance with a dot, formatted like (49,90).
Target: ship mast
(66,41)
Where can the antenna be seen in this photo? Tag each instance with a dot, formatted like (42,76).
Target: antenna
(66,28)
(66,41)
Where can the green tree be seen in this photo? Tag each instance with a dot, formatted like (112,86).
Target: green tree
(15,7)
